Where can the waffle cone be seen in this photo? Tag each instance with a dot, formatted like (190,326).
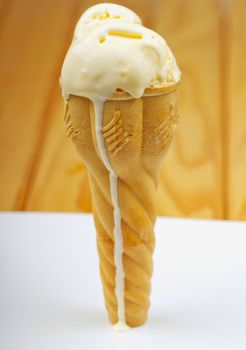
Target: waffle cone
(135,154)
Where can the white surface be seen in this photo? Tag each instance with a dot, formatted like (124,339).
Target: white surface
(51,297)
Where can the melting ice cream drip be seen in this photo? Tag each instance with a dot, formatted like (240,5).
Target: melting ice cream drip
(118,237)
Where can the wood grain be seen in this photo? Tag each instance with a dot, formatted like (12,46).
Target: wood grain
(191,179)
(236,104)
(29,61)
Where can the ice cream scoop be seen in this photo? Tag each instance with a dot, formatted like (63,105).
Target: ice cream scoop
(115,53)
(119,80)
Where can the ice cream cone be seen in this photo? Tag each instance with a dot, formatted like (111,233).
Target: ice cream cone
(136,134)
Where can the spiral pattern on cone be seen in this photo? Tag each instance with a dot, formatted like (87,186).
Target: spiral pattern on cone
(137,132)
(137,258)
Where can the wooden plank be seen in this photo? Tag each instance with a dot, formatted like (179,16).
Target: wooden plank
(191,178)
(28,65)
(237,116)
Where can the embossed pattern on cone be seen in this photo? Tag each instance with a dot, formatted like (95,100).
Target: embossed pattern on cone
(137,134)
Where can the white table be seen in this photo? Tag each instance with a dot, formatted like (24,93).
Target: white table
(51,297)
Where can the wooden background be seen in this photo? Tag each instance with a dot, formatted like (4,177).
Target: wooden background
(204,174)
